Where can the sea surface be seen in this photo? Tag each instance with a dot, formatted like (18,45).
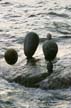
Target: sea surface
(17,18)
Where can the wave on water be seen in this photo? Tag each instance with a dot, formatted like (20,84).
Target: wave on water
(58,14)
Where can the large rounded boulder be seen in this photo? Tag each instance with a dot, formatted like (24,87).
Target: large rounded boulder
(31,42)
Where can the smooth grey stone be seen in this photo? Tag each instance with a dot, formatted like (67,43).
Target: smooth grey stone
(31,42)
(50,49)
(11,56)
(50,67)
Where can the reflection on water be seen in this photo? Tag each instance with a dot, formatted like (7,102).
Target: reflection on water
(17,17)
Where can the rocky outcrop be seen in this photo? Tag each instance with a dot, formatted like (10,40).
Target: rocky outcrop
(35,74)
(29,75)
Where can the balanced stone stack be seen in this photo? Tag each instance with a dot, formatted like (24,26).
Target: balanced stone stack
(50,50)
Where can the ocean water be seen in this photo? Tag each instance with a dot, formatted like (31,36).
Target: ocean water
(17,18)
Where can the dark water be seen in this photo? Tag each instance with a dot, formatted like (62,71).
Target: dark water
(17,17)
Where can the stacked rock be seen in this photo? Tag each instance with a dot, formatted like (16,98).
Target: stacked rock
(31,42)
(11,56)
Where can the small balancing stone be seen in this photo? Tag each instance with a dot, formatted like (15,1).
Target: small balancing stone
(50,67)
(31,42)
(11,56)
